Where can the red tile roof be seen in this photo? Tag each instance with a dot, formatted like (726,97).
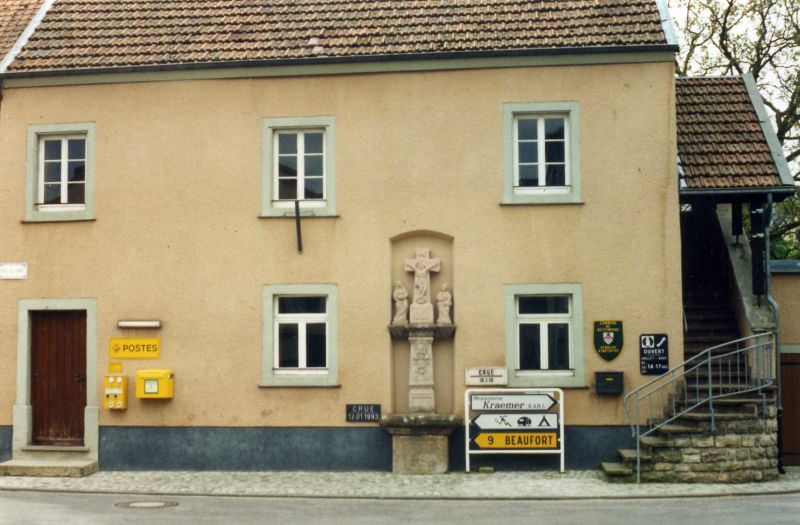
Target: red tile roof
(721,144)
(14,18)
(80,34)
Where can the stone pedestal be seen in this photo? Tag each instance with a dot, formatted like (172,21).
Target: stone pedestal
(420,442)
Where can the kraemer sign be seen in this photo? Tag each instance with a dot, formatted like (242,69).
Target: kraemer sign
(514,421)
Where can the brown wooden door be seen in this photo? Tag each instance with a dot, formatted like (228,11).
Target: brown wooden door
(58,376)
(790,387)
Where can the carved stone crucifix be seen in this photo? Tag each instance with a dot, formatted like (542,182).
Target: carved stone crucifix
(422,265)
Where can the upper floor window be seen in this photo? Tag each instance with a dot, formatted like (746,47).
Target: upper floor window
(542,153)
(298,166)
(60,176)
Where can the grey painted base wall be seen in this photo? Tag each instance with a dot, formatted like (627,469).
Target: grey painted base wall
(5,442)
(323,449)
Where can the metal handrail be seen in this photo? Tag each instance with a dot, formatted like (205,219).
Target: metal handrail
(751,357)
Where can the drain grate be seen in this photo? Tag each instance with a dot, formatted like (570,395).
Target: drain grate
(146,504)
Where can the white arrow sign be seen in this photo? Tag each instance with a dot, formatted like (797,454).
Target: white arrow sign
(517,421)
(512,402)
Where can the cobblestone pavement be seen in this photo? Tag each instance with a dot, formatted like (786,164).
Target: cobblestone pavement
(500,485)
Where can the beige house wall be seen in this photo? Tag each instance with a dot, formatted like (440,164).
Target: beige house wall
(786,291)
(177,235)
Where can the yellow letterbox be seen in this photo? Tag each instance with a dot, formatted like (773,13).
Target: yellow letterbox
(154,384)
(115,388)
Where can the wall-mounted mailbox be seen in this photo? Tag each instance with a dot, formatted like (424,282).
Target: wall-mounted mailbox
(608,383)
(154,384)
(115,389)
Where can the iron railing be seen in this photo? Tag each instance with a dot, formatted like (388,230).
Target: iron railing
(729,369)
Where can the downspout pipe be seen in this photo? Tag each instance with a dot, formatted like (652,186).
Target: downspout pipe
(776,314)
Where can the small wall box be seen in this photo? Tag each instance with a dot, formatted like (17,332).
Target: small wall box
(608,383)
(115,388)
(154,384)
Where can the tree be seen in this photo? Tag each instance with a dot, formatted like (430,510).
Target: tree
(762,37)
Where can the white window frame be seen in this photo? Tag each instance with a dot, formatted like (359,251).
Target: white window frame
(300,320)
(271,205)
(64,175)
(544,320)
(301,169)
(513,193)
(272,374)
(541,141)
(35,210)
(571,378)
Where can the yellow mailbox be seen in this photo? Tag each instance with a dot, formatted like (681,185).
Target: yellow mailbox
(115,388)
(154,384)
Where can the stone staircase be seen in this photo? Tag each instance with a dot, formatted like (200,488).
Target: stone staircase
(50,461)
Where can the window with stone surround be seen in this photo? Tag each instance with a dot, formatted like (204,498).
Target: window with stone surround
(544,335)
(542,163)
(300,335)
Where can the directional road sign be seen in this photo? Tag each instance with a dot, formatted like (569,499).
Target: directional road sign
(512,402)
(513,440)
(530,422)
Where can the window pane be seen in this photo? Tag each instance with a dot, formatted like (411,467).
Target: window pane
(529,175)
(52,149)
(313,166)
(52,193)
(301,305)
(544,304)
(558,346)
(313,142)
(287,166)
(529,347)
(556,175)
(287,346)
(76,149)
(52,171)
(554,151)
(314,188)
(528,152)
(76,170)
(287,143)
(287,189)
(315,345)
(75,193)
(527,129)
(554,128)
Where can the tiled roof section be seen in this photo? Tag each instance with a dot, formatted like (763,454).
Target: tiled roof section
(14,18)
(78,34)
(720,141)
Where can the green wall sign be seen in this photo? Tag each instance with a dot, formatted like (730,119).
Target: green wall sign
(608,339)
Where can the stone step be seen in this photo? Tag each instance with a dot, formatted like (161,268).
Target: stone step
(48,468)
(616,470)
(678,428)
(719,416)
(707,340)
(628,455)
(655,441)
(736,401)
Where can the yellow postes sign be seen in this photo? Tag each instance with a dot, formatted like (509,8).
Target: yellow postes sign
(512,440)
(134,348)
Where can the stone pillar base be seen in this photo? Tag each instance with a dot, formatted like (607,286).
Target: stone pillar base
(420,442)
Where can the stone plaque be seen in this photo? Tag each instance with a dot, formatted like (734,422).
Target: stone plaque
(363,413)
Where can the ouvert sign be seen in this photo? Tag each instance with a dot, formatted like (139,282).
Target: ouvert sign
(514,421)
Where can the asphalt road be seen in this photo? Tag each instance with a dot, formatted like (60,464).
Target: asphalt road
(20,508)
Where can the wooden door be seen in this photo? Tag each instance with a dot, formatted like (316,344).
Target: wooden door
(58,376)
(790,386)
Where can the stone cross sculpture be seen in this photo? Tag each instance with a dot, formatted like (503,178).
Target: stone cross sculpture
(422,265)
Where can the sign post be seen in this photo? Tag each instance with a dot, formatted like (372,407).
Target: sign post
(514,421)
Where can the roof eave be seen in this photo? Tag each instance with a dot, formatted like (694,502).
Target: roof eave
(785,190)
(661,48)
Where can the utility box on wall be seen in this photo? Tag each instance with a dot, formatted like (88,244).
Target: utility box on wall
(115,390)
(608,383)
(154,384)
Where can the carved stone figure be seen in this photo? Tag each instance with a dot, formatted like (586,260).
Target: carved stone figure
(422,266)
(444,300)
(400,296)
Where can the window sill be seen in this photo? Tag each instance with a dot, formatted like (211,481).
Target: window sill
(544,379)
(541,200)
(261,385)
(303,215)
(36,220)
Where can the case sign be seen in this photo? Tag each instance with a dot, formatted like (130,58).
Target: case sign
(363,413)
(608,339)
(653,354)
(486,376)
(134,348)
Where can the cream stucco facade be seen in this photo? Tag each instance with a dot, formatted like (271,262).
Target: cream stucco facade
(177,236)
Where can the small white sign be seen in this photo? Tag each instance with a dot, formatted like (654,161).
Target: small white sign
(531,421)
(486,375)
(513,402)
(14,271)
